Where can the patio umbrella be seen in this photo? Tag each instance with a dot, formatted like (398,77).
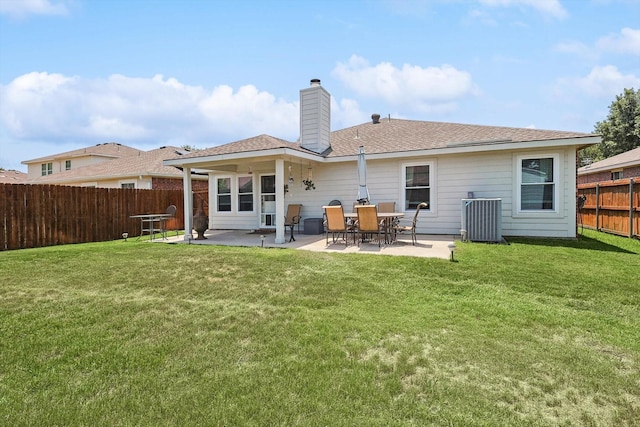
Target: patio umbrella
(363,191)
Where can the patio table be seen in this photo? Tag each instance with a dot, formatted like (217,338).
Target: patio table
(151,220)
(387,217)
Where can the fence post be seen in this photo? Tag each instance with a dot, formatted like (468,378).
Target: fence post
(598,206)
(631,182)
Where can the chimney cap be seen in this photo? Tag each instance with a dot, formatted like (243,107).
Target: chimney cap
(375,118)
(315,82)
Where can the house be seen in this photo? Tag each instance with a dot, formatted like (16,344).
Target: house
(621,166)
(532,171)
(12,177)
(57,163)
(143,170)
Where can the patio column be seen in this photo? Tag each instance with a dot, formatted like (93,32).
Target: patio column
(280,201)
(188,204)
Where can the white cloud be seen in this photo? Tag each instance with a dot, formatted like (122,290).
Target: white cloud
(139,110)
(628,41)
(577,48)
(22,8)
(602,82)
(551,8)
(421,89)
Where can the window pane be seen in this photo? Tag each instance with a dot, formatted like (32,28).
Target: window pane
(537,197)
(417,176)
(245,184)
(224,203)
(413,197)
(537,170)
(224,185)
(245,202)
(268,184)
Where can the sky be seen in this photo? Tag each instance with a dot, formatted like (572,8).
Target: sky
(150,73)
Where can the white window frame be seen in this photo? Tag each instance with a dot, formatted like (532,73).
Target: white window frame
(617,174)
(121,183)
(216,194)
(46,168)
(557,184)
(237,194)
(67,165)
(432,187)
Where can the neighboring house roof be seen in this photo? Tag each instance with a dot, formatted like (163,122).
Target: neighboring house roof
(108,149)
(145,163)
(12,177)
(393,136)
(622,160)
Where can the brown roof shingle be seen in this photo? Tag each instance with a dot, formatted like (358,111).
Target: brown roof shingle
(108,149)
(395,135)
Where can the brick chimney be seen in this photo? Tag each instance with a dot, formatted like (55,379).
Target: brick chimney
(315,117)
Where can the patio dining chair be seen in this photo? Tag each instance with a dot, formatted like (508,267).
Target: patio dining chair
(387,207)
(368,223)
(411,228)
(293,218)
(171,210)
(336,224)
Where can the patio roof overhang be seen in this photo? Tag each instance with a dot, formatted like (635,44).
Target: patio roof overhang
(229,162)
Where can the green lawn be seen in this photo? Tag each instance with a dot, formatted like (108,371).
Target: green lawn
(534,333)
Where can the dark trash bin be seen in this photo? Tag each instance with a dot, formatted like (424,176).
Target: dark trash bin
(313,226)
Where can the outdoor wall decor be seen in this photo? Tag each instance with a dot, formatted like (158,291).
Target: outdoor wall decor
(308,184)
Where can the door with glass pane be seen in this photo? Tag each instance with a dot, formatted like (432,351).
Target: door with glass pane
(268,201)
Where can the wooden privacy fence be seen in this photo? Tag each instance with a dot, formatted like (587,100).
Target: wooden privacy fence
(611,206)
(45,215)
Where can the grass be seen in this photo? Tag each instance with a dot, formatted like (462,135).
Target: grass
(535,333)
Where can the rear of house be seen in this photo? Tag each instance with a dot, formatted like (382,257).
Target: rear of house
(532,172)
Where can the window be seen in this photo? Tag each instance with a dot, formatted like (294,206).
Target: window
(224,194)
(67,165)
(537,180)
(128,185)
(47,169)
(417,185)
(617,175)
(245,194)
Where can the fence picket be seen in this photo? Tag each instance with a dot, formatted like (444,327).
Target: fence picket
(44,215)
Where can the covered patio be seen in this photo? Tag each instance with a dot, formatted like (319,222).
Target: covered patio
(427,246)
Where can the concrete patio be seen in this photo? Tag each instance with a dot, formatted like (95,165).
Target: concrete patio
(428,246)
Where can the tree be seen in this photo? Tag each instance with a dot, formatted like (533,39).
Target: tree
(620,131)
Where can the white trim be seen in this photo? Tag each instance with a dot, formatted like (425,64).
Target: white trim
(432,184)
(253,194)
(558,183)
(216,194)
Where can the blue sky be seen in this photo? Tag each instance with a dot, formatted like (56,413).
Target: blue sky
(75,73)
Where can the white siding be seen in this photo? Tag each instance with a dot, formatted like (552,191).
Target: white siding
(488,175)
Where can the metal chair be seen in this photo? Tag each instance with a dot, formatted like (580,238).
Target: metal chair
(293,218)
(171,210)
(368,222)
(336,224)
(411,228)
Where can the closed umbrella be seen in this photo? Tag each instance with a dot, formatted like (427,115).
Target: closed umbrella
(363,191)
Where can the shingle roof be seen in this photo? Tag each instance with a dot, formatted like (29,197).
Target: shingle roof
(143,163)
(108,149)
(256,143)
(12,177)
(628,158)
(395,135)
